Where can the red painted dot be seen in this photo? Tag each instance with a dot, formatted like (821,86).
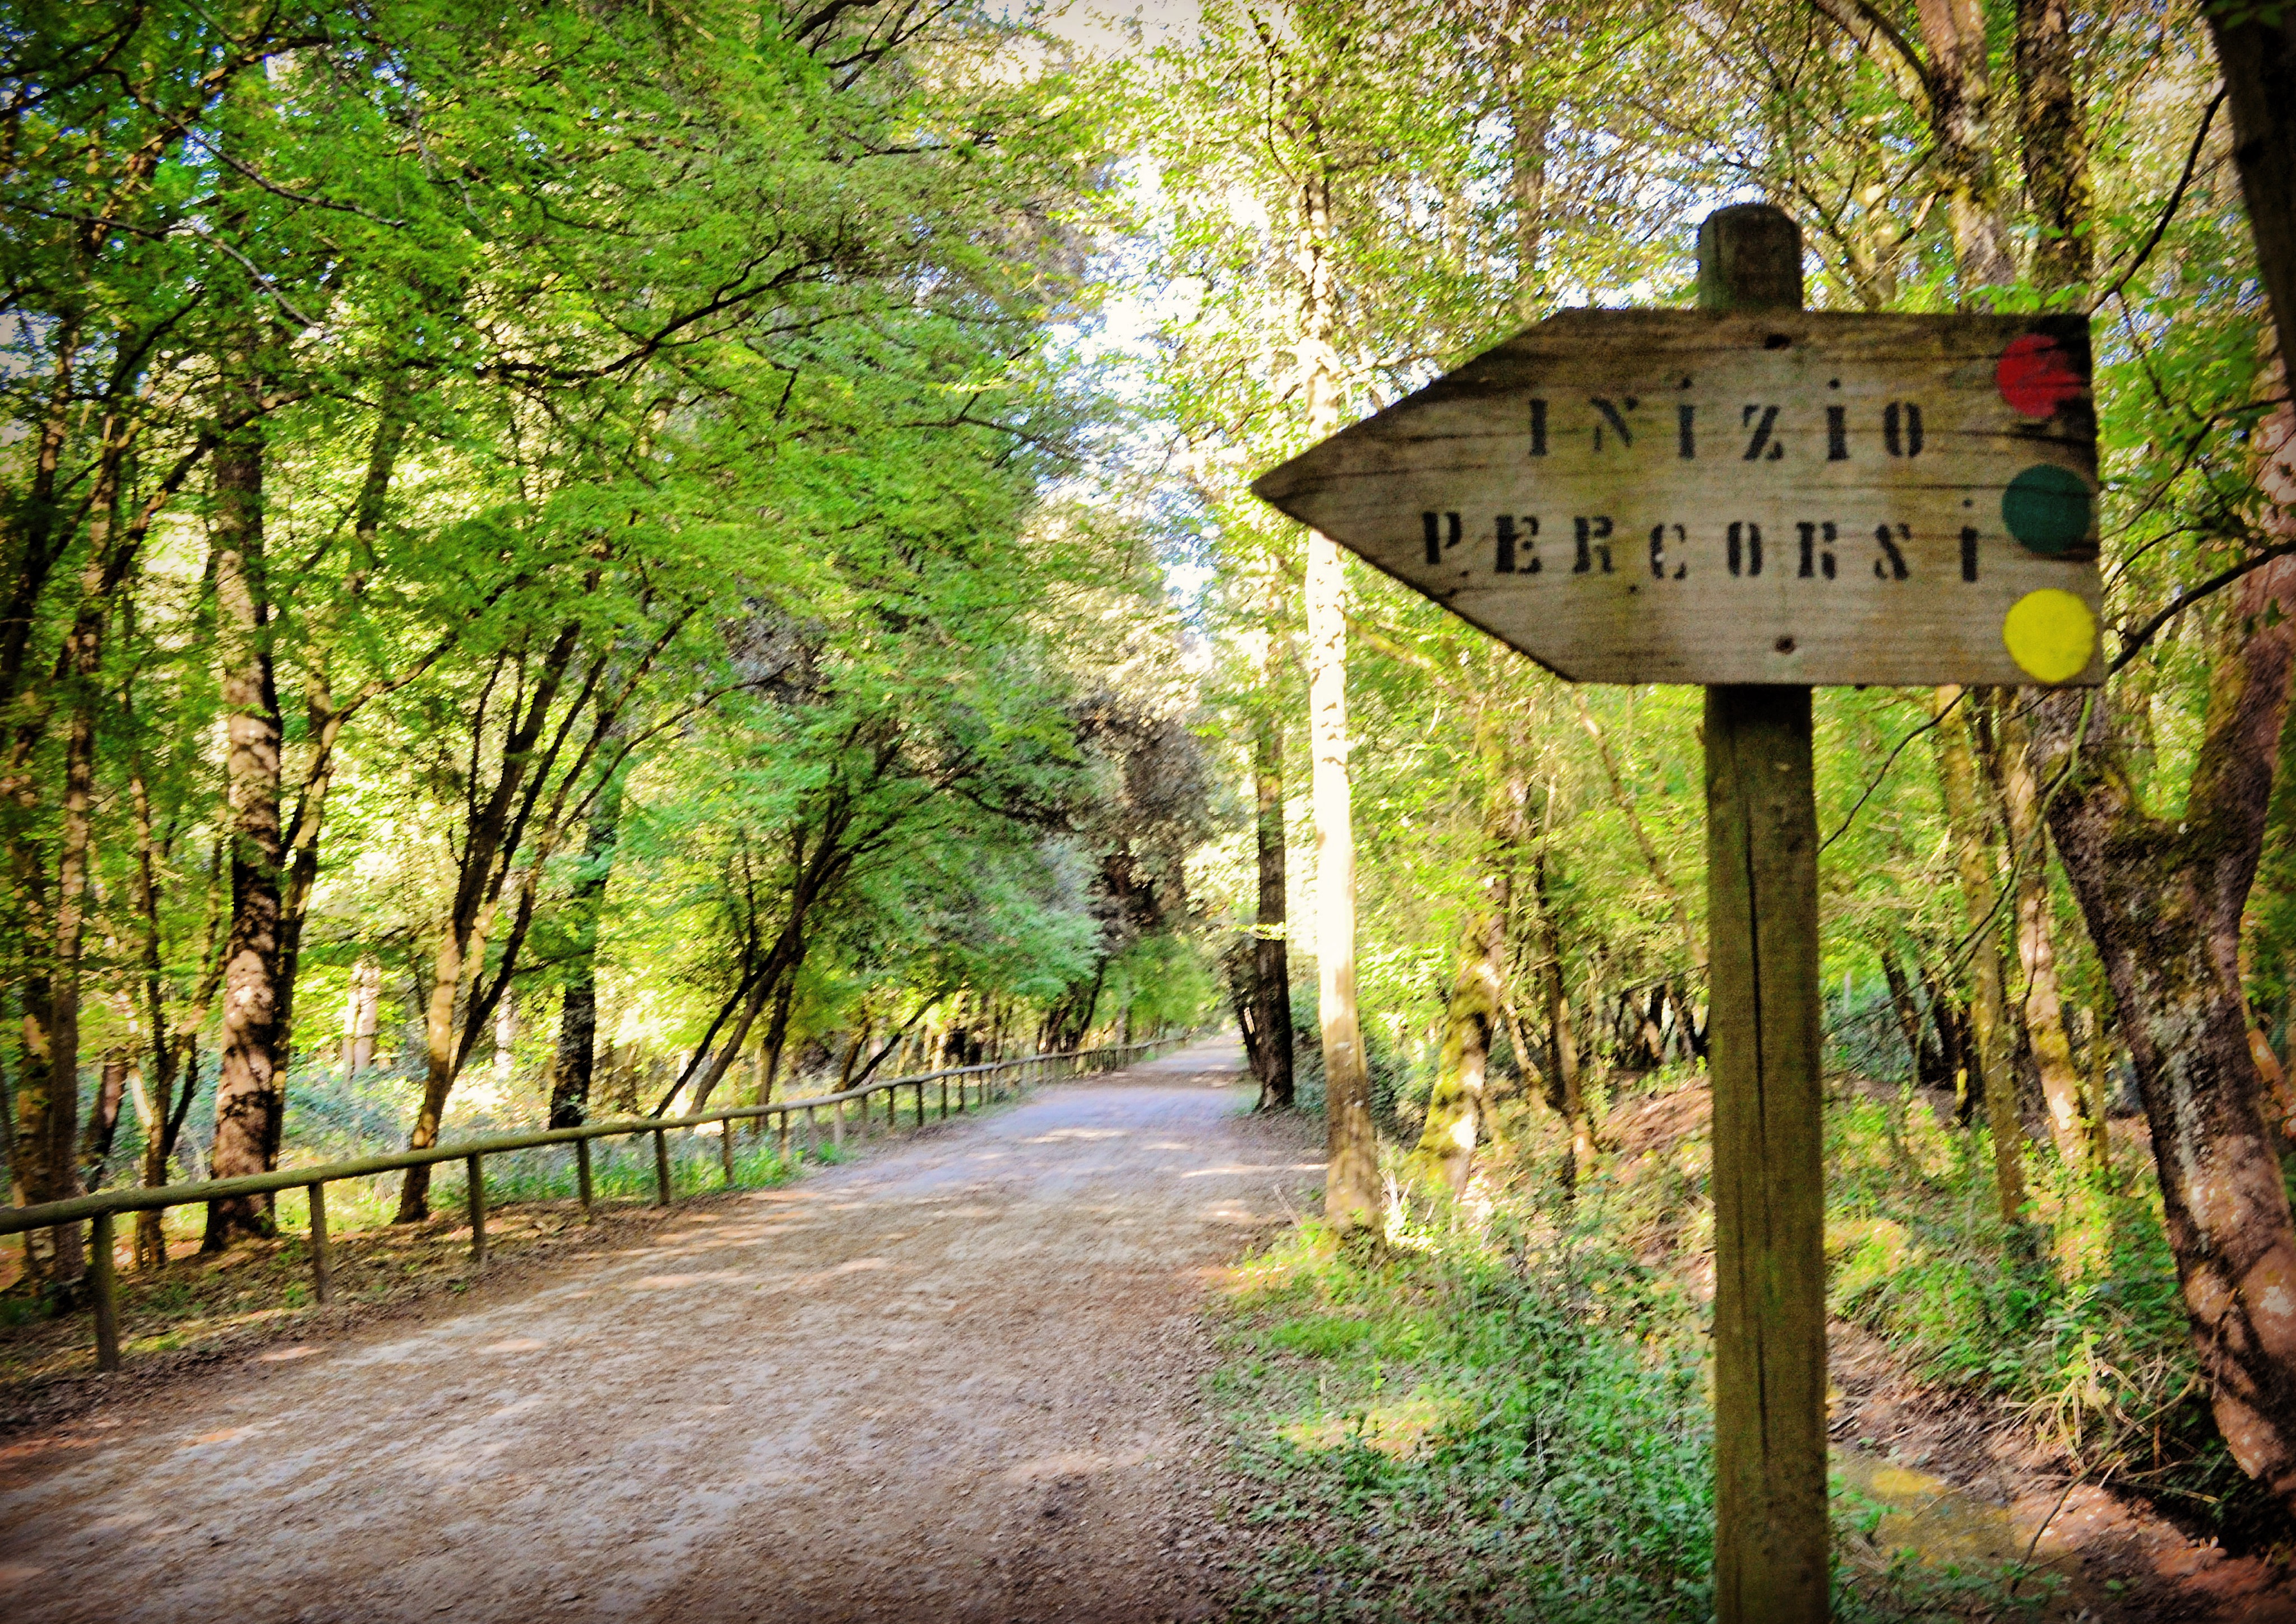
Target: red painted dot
(2036,376)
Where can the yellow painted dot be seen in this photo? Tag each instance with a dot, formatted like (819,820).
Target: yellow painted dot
(2051,635)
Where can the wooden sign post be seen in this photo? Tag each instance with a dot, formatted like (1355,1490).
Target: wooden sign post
(1758,498)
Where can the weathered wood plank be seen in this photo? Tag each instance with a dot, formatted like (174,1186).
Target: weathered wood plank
(1744,496)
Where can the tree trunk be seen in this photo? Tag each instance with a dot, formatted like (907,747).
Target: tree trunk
(2163,899)
(1351,1195)
(489,842)
(362,1018)
(2037,952)
(1271,970)
(248,1092)
(95,1150)
(2055,151)
(1530,124)
(578,1018)
(1919,1056)
(1962,122)
(777,1037)
(1973,855)
(155,1100)
(49,1166)
(1455,1108)
(1562,1091)
(2257,58)
(1950,1021)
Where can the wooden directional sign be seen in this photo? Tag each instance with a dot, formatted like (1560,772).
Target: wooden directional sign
(1781,496)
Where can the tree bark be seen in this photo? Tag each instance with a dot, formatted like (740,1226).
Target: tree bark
(2055,151)
(1351,1195)
(2258,62)
(1974,857)
(2163,899)
(1456,1106)
(2037,952)
(1530,124)
(486,843)
(1962,122)
(95,1149)
(1271,968)
(578,1019)
(249,1103)
(1949,1019)
(1923,1059)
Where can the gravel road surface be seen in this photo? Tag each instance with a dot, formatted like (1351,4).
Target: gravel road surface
(956,1380)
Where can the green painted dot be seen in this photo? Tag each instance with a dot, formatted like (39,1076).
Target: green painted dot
(2047,509)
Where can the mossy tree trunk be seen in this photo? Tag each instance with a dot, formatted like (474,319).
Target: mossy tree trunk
(2163,898)
(1972,842)
(1455,1110)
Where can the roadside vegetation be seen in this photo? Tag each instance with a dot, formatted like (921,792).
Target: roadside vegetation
(1503,1412)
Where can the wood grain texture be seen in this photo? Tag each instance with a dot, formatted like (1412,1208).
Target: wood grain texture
(1765,1042)
(1581,482)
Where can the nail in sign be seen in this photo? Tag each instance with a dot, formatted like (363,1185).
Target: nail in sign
(1785,496)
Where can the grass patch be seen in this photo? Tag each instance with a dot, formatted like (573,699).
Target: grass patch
(1506,1417)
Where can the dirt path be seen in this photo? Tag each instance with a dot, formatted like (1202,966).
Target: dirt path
(954,1382)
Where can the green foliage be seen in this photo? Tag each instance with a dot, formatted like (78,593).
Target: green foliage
(1493,1423)
(1505,1419)
(2078,1324)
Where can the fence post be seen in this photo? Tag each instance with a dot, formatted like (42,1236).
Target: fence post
(660,1167)
(725,1148)
(582,1175)
(476,1174)
(322,1275)
(837,1124)
(103,1278)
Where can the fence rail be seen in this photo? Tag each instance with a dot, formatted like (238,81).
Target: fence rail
(992,1079)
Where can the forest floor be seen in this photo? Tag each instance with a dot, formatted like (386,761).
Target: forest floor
(959,1380)
(963,1377)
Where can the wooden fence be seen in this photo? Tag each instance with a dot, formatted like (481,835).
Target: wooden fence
(992,1081)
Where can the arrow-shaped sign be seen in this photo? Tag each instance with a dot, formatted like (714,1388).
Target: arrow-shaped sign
(1786,496)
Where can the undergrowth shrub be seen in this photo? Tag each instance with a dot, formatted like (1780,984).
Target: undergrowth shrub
(2077,1322)
(1506,1417)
